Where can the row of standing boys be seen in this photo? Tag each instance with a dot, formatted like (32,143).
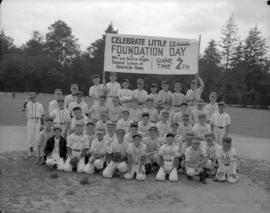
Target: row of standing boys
(133,133)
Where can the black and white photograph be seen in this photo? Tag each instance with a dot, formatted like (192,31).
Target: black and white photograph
(133,106)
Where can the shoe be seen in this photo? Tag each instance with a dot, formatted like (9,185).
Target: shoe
(189,177)
(218,181)
(202,178)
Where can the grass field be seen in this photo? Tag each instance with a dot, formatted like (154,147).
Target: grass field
(29,188)
(249,122)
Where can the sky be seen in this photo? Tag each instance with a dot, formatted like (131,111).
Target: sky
(165,18)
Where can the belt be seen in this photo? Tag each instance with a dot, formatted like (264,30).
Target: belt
(140,103)
(34,118)
(76,150)
(176,105)
(220,127)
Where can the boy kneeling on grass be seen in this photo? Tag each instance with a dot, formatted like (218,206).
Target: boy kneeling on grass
(195,160)
(55,150)
(118,154)
(98,152)
(77,146)
(168,159)
(136,158)
(227,162)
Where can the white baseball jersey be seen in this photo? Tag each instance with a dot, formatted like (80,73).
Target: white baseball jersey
(194,156)
(156,98)
(34,110)
(141,95)
(144,128)
(120,147)
(211,151)
(98,147)
(211,109)
(96,109)
(153,114)
(136,152)
(96,90)
(163,128)
(178,99)
(184,129)
(60,116)
(125,95)
(82,105)
(165,96)
(169,152)
(226,157)
(221,120)
(195,115)
(152,145)
(193,95)
(83,119)
(115,113)
(122,124)
(135,114)
(200,130)
(101,124)
(69,99)
(109,139)
(52,106)
(177,117)
(114,89)
(77,143)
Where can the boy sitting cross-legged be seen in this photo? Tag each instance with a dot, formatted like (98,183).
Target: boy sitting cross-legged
(168,159)
(118,154)
(55,150)
(98,153)
(136,158)
(77,146)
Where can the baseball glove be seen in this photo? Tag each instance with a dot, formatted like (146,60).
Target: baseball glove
(116,156)
(74,161)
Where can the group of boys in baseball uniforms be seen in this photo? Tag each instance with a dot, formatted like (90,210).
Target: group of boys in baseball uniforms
(132,133)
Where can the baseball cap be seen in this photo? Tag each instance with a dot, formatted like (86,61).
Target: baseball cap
(145,114)
(164,82)
(174,124)
(32,95)
(57,127)
(196,139)
(202,115)
(76,108)
(137,135)
(110,123)
(149,99)
(154,85)
(227,140)
(183,104)
(153,128)
(100,131)
(102,96)
(120,132)
(90,123)
(134,124)
(125,80)
(193,82)
(208,135)
(177,84)
(170,134)
(79,93)
(48,119)
(125,110)
(95,76)
(221,103)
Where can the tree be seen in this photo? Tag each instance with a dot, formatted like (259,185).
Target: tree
(228,41)
(35,45)
(96,52)
(60,43)
(257,65)
(210,69)
(6,43)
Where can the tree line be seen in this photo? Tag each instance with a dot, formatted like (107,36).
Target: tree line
(237,69)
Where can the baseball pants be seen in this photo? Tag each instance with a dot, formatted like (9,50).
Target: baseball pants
(219,134)
(112,166)
(90,167)
(135,169)
(55,160)
(193,172)
(168,165)
(33,129)
(228,173)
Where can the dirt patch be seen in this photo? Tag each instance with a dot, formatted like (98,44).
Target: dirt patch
(27,187)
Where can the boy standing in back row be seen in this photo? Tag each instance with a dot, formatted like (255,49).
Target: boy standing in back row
(34,114)
(73,96)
